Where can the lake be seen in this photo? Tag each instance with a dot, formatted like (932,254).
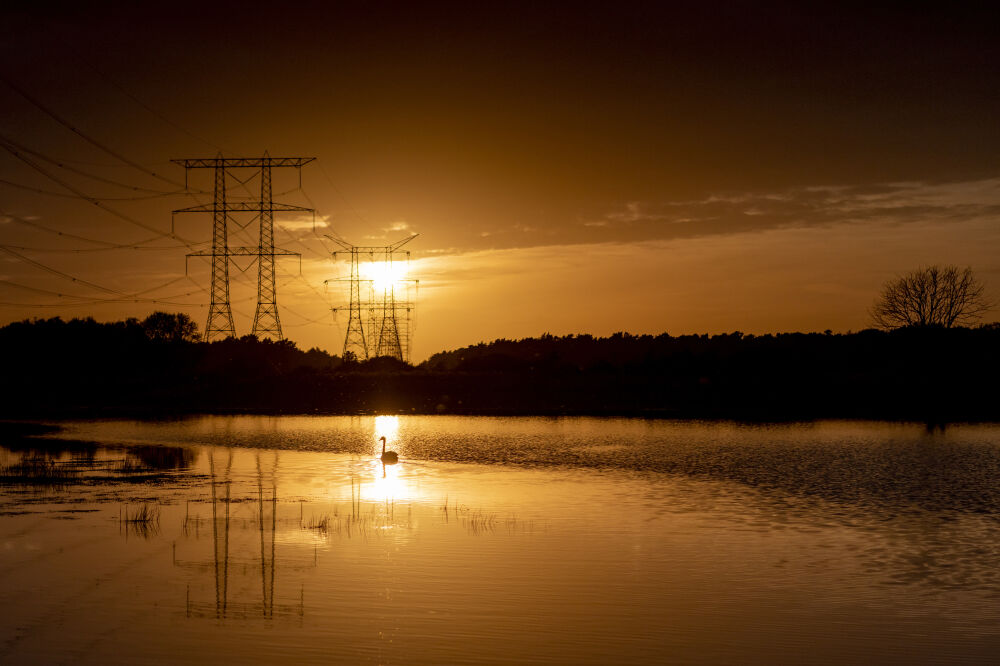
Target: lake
(500,540)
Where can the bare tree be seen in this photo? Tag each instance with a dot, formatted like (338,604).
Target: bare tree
(934,296)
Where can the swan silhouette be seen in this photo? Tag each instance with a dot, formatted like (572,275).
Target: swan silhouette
(388,457)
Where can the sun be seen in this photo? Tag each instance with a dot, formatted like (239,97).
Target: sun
(384,275)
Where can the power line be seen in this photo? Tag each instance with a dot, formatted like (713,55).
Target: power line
(11,147)
(79,303)
(61,163)
(49,112)
(117,86)
(50,193)
(85,250)
(320,238)
(108,244)
(310,285)
(58,272)
(93,285)
(341,194)
(125,297)
(308,321)
(42,291)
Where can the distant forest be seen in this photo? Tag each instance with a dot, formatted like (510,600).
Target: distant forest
(157,367)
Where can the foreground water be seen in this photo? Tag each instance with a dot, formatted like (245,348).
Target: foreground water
(571,540)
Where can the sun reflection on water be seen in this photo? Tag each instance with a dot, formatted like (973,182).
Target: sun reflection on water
(388,427)
(387,481)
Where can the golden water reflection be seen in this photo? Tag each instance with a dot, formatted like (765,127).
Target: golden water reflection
(387,483)
(310,556)
(388,427)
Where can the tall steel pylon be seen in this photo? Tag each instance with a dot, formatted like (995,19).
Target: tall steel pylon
(354,341)
(220,317)
(389,342)
(220,314)
(265,319)
(379,321)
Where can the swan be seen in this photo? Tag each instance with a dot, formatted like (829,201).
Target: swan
(388,457)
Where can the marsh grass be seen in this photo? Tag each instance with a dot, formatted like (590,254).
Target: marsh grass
(56,469)
(37,470)
(321,523)
(357,523)
(351,526)
(127,465)
(479,522)
(142,520)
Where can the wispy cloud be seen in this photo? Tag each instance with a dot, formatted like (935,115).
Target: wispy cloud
(304,222)
(806,207)
(894,206)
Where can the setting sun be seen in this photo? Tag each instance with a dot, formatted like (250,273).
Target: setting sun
(384,275)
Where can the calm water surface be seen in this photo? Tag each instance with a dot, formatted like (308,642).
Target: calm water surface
(526,540)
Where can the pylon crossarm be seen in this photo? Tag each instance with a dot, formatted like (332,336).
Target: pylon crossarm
(236,162)
(400,243)
(244,207)
(368,249)
(243,252)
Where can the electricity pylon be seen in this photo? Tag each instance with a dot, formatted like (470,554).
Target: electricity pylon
(220,315)
(379,321)
(355,341)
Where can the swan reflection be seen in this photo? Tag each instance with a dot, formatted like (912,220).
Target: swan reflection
(387,483)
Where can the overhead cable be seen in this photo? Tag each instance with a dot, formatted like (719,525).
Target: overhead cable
(73,196)
(20,91)
(61,163)
(117,86)
(11,147)
(58,272)
(108,245)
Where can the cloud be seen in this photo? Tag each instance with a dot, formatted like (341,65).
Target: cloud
(727,213)
(304,222)
(805,207)
(633,212)
(393,232)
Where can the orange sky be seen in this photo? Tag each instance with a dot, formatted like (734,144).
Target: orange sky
(569,168)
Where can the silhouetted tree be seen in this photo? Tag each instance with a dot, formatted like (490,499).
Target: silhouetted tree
(170,327)
(934,296)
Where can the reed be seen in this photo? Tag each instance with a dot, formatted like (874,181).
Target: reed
(128,465)
(143,521)
(145,513)
(321,523)
(480,522)
(37,470)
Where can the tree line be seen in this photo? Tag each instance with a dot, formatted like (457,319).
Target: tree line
(157,366)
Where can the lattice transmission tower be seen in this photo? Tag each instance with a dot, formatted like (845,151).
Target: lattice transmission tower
(381,305)
(220,315)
